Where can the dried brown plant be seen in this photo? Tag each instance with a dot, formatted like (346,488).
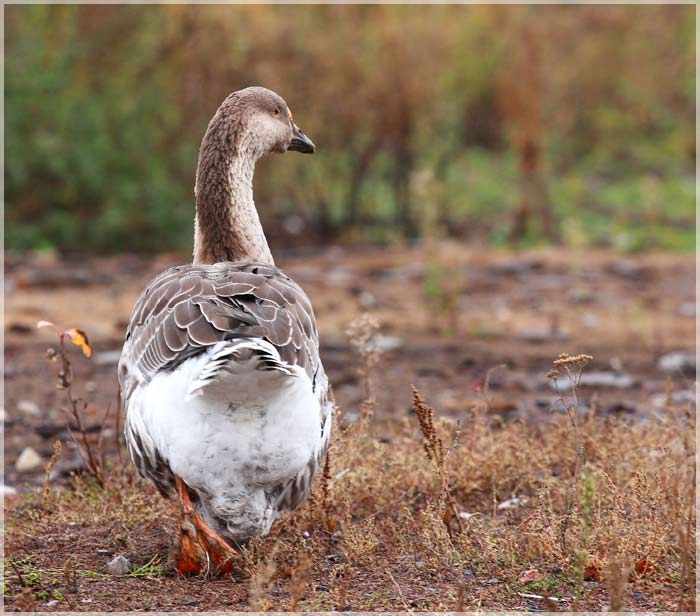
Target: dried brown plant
(573,366)
(437,453)
(90,454)
(57,448)
(362,333)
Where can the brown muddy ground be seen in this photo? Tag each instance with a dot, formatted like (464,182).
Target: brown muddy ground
(452,320)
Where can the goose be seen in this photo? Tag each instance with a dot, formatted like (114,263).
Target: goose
(227,405)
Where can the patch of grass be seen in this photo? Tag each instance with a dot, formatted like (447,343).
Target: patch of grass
(396,530)
(152,567)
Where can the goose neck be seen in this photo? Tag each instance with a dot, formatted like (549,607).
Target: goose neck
(227,225)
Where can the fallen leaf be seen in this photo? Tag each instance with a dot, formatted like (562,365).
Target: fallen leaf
(593,570)
(531,575)
(644,566)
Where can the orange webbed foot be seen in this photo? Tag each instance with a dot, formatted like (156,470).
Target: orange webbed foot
(202,550)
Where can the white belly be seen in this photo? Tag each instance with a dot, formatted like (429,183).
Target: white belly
(238,443)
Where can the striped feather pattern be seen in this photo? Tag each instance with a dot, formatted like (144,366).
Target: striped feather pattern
(191,307)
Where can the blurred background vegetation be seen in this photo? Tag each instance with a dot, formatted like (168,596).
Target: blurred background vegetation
(500,124)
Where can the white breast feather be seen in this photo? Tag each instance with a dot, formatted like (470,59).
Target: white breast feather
(231,430)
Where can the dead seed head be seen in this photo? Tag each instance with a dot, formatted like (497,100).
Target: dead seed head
(575,361)
(361,333)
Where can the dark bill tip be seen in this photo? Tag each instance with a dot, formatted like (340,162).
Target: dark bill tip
(301,143)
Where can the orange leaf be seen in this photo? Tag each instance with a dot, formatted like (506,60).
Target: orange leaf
(531,575)
(79,338)
(593,570)
(644,566)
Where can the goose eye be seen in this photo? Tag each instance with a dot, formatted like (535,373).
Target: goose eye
(277,111)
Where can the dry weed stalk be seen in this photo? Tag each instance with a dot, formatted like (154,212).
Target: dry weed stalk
(437,454)
(261,582)
(70,575)
(299,581)
(92,459)
(684,530)
(398,588)
(326,498)
(617,576)
(360,541)
(49,467)
(362,333)
(573,366)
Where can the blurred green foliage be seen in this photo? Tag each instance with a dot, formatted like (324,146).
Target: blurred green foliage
(513,123)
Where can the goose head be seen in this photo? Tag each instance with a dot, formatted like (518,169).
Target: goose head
(257,122)
(248,125)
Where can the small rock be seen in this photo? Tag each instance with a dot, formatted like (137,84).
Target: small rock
(420,564)
(334,558)
(542,335)
(293,224)
(27,407)
(339,277)
(107,358)
(513,503)
(119,565)
(581,295)
(465,515)
(386,343)
(626,268)
(558,406)
(590,320)
(7,491)
(516,267)
(469,574)
(619,408)
(685,396)
(687,309)
(47,430)
(413,271)
(616,364)
(28,460)
(190,602)
(20,328)
(613,380)
(678,362)
(52,603)
(367,300)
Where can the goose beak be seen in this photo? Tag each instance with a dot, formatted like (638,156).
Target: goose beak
(300,142)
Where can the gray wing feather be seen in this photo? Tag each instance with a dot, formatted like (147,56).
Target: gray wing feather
(189,308)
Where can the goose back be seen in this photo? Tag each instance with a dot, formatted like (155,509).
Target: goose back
(189,308)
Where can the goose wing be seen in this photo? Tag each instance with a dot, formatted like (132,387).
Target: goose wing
(189,308)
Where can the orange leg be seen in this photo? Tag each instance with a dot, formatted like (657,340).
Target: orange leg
(201,548)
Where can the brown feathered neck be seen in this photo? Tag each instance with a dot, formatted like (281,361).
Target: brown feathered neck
(227,226)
